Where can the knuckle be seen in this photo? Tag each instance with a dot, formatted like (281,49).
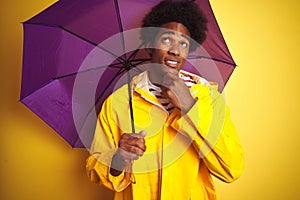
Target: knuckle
(132,149)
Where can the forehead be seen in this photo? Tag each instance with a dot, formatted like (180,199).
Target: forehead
(175,28)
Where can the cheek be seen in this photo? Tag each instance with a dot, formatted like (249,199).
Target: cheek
(157,54)
(184,52)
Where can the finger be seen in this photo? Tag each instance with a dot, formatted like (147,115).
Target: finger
(136,140)
(141,134)
(165,92)
(136,148)
(130,156)
(170,79)
(126,157)
(167,81)
(130,152)
(171,74)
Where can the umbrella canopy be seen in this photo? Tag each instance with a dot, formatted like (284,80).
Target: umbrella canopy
(75,48)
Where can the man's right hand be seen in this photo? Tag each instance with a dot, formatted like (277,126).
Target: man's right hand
(131,147)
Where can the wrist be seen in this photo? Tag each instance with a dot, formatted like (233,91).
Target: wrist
(188,106)
(117,165)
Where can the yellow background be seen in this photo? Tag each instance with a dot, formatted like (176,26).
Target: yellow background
(263,94)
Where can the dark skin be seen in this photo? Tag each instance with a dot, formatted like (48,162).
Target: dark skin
(172,48)
(131,147)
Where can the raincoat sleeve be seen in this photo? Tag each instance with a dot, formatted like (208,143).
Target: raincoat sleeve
(214,136)
(102,150)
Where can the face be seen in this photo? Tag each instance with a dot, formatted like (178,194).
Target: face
(171,45)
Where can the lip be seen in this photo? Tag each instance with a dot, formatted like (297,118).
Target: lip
(172,63)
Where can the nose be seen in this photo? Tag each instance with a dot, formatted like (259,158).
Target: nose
(174,50)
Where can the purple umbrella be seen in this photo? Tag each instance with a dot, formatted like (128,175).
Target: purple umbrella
(75,48)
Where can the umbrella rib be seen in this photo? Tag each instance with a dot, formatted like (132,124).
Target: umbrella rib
(139,61)
(120,26)
(138,69)
(210,58)
(87,70)
(132,56)
(136,51)
(79,36)
(43,85)
(72,74)
(97,45)
(98,99)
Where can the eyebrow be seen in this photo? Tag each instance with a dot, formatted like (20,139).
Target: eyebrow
(173,33)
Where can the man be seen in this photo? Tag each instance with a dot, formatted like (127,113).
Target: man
(184,133)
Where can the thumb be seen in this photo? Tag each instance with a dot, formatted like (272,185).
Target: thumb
(142,134)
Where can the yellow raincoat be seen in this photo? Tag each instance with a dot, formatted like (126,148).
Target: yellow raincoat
(182,151)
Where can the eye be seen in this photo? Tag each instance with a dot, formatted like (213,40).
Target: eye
(166,40)
(184,44)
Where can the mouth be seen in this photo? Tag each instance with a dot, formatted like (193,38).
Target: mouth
(172,63)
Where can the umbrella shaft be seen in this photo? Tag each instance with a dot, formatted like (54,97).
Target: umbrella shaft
(130,102)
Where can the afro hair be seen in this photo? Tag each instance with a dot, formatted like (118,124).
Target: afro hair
(185,12)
